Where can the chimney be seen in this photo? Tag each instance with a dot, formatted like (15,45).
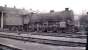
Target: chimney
(51,11)
(66,9)
(14,6)
(5,5)
(87,13)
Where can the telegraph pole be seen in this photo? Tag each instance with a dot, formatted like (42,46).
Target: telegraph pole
(87,37)
(86,29)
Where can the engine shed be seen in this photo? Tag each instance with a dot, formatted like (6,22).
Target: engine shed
(11,17)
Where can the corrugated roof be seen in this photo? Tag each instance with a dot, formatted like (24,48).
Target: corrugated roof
(13,10)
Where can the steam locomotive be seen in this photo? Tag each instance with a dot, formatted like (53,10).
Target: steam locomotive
(52,22)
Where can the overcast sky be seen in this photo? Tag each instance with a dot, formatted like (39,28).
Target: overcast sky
(46,5)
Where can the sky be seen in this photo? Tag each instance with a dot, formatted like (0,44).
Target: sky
(78,6)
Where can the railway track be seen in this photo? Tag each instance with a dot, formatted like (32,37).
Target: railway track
(45,41)
(70,35)
(4,47)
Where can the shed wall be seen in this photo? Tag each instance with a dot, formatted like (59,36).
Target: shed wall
(12,19)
